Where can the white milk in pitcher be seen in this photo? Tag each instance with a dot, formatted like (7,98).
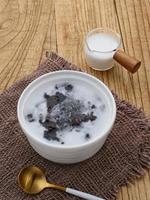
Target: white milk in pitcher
(100,46)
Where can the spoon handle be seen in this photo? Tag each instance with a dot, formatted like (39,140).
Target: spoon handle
(83,195)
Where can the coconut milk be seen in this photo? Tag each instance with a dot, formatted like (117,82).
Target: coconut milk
(100,46)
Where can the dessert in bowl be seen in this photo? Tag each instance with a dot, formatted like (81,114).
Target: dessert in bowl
(66,115)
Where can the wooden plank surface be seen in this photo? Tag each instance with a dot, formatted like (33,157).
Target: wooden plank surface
(29,28)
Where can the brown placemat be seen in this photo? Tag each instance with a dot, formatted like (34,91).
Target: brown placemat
(123,157)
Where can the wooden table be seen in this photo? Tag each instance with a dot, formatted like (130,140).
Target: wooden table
(29,28)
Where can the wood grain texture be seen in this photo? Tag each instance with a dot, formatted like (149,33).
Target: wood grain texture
(29,28)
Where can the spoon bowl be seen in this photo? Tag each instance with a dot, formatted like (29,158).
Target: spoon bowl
(32,180)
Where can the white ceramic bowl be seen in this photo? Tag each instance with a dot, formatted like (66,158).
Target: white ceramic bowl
(62,153)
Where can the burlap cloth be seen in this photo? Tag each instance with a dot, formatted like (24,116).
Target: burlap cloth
(123,157)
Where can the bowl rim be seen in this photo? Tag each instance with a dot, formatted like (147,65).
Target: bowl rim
(113,105)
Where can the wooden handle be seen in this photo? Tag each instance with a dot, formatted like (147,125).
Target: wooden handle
(128,62)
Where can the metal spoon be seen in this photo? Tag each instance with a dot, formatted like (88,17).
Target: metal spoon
(32,180)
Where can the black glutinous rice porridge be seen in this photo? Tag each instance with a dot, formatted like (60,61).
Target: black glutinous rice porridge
(68,114)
